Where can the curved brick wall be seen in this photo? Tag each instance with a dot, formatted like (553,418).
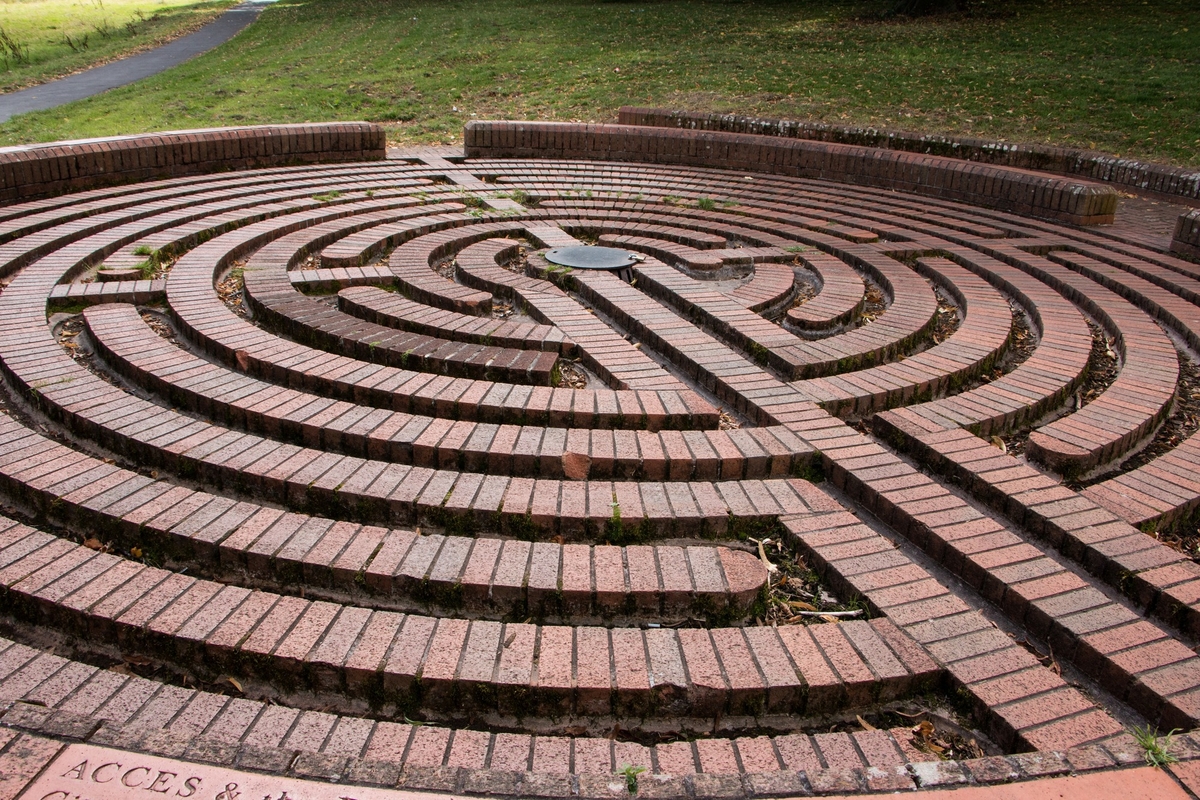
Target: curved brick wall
(1186,241)
(1177,183)
(41,170)
(1002,188)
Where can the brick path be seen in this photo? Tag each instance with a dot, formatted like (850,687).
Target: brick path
(355,530)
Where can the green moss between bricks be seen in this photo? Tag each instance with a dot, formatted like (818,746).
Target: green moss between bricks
(447,596)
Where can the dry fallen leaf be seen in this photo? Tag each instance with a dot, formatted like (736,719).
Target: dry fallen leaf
(92,543)
(234,682)
(866,726)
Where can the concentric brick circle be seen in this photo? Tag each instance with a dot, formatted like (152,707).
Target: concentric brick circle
(352,482)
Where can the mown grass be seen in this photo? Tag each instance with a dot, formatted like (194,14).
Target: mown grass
(44,39)
(1118,75)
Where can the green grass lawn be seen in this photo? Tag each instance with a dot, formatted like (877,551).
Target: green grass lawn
(44,39)
(1119,75)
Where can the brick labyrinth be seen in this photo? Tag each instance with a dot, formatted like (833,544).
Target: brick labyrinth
(358,485)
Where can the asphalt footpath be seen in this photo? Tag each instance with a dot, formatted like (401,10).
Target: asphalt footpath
(135,68)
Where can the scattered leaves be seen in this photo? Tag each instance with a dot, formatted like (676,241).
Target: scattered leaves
(231,291)
(875,305)
(571,375)
(945,744)
(727,422)
(796,596)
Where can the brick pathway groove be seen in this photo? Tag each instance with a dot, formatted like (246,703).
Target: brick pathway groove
(337,477)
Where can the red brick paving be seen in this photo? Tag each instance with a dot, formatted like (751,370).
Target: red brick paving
(350,492)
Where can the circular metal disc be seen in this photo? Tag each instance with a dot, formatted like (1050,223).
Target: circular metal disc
(589,257)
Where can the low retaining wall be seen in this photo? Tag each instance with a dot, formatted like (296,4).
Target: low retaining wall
(1186,241)
(40,170)
(1176,183)
(1001,188)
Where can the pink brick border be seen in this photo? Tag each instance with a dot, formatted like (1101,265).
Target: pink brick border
(40,170)
(47,730)
(1002,188)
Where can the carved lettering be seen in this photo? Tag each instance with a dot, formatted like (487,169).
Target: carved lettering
(76,772)
(96,776)
(191,784)
(160,783)
(136,781)
(111,774)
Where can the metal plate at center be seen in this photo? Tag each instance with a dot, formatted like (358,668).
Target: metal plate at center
(590,257)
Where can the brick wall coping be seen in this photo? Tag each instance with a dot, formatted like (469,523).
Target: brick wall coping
(52,168)
(998,187)
(1176,183)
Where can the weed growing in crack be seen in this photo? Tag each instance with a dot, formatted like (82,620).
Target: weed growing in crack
(631,773)
(1157,748)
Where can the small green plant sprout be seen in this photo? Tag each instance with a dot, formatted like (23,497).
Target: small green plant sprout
(327,196)
(468,199)
(669,199)
(797,248)
(1157,748)
(630,772)
(706,203)
(516,195)
(143,250)
(856,603)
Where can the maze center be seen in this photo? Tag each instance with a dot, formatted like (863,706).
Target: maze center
(342,472)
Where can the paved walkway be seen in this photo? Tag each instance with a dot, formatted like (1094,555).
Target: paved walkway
(377,507)
(132,69)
